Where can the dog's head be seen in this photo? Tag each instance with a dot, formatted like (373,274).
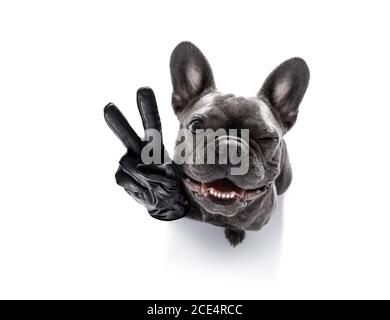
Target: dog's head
(266,117)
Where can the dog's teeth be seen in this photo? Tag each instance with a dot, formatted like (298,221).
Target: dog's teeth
(221,195)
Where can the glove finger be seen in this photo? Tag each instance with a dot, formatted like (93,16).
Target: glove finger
(147,107)
(122,129)
(137,191)
(157,173)
(127,182)
(129,163)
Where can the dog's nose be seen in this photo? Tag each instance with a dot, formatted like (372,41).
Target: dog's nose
(231,150)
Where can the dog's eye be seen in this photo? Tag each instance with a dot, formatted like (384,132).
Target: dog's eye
(267,140)
(195,125)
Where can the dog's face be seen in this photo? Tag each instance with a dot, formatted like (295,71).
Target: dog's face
(266,117)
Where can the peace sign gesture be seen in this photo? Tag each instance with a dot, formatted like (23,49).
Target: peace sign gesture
(156,186)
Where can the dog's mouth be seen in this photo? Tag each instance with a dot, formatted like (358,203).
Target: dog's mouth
(224,191)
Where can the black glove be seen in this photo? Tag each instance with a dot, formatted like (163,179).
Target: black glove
(156,186)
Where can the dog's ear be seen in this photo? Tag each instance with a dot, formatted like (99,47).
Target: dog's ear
(191,75)
(284,89)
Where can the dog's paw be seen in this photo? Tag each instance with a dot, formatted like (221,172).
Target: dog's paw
(234,236)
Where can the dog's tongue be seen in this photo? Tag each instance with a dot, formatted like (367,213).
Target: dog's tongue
(223,185)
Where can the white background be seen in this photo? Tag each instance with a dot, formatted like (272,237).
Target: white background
(68,231)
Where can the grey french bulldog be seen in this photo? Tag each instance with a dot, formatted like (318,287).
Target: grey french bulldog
(237,202)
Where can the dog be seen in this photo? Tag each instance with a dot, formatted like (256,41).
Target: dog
(247,201)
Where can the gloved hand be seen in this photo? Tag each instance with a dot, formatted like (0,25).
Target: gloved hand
(156,186)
